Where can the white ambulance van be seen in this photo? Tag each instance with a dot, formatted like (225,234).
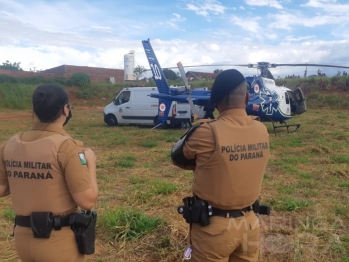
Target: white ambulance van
(134,105)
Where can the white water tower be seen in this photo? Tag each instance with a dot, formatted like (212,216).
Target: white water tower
(129,66)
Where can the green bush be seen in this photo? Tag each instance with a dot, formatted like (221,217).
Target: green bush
(80,80)
(8,79)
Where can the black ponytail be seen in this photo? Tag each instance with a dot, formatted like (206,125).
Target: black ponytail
(48,102)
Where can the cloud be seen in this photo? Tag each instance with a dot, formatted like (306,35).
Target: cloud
(286,20)
(292,38)
(206,7)
(328,6)
(188,52)
(173,22)
(107,29)
(271,36)
(83,33)
(178,16)
(248,24)
(333,12)
(75,14)
(271,3)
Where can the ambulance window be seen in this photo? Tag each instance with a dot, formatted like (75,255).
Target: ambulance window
(124,97)
(287,99)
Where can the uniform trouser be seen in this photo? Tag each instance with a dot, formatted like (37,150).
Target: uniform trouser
(226,239)
(60,247)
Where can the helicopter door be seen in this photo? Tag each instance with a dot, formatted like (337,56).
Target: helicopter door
(292,102)
(287,105)
(300,100)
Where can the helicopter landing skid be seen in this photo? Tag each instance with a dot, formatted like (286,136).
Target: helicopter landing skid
(286,126)
(160,126)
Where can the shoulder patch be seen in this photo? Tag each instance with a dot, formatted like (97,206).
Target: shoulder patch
(82,158)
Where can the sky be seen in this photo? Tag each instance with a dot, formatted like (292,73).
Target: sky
(49,33)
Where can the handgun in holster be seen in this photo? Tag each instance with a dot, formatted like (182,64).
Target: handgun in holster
(261,209)
(83,224)
(41,224)
(195,210)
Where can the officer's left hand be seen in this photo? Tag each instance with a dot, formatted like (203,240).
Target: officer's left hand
(90,157)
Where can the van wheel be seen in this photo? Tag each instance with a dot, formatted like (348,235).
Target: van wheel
(111,120)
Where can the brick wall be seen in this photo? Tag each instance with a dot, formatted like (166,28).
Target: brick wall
(20,74)
(96,74)
(56,70)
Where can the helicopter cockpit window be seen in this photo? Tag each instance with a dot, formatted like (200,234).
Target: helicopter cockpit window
(287,99)
(123,98)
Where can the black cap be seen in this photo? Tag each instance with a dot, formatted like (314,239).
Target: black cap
(224,83)
(48,101)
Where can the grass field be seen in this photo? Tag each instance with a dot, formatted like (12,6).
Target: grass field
(306,183)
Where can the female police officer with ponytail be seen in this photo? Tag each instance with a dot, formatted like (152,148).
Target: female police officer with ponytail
(48,174)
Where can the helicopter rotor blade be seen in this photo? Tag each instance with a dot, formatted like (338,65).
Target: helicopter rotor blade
(187,88)
(319,65)
(184,78)
(271,65)
(217,65)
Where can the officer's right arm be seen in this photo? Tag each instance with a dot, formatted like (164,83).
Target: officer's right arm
(200,145)
(80,176)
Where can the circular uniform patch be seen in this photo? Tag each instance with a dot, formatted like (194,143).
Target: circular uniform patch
(256,88)
(162,107)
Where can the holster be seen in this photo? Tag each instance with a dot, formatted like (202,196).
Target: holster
(41,224)
(261,209)
(83,225)
(195,210)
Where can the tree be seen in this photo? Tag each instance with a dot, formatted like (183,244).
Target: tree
(169,74)
(11,66)
(217,71)
(139,71)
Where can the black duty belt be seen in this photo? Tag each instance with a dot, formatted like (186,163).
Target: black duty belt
(58,221)
(232,213)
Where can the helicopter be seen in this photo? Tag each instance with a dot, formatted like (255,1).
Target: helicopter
(268,102)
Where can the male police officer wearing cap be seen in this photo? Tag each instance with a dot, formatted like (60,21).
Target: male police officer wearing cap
(228,157)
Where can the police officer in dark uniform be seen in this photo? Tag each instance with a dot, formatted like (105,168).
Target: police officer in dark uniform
(49,174)
(228,157)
